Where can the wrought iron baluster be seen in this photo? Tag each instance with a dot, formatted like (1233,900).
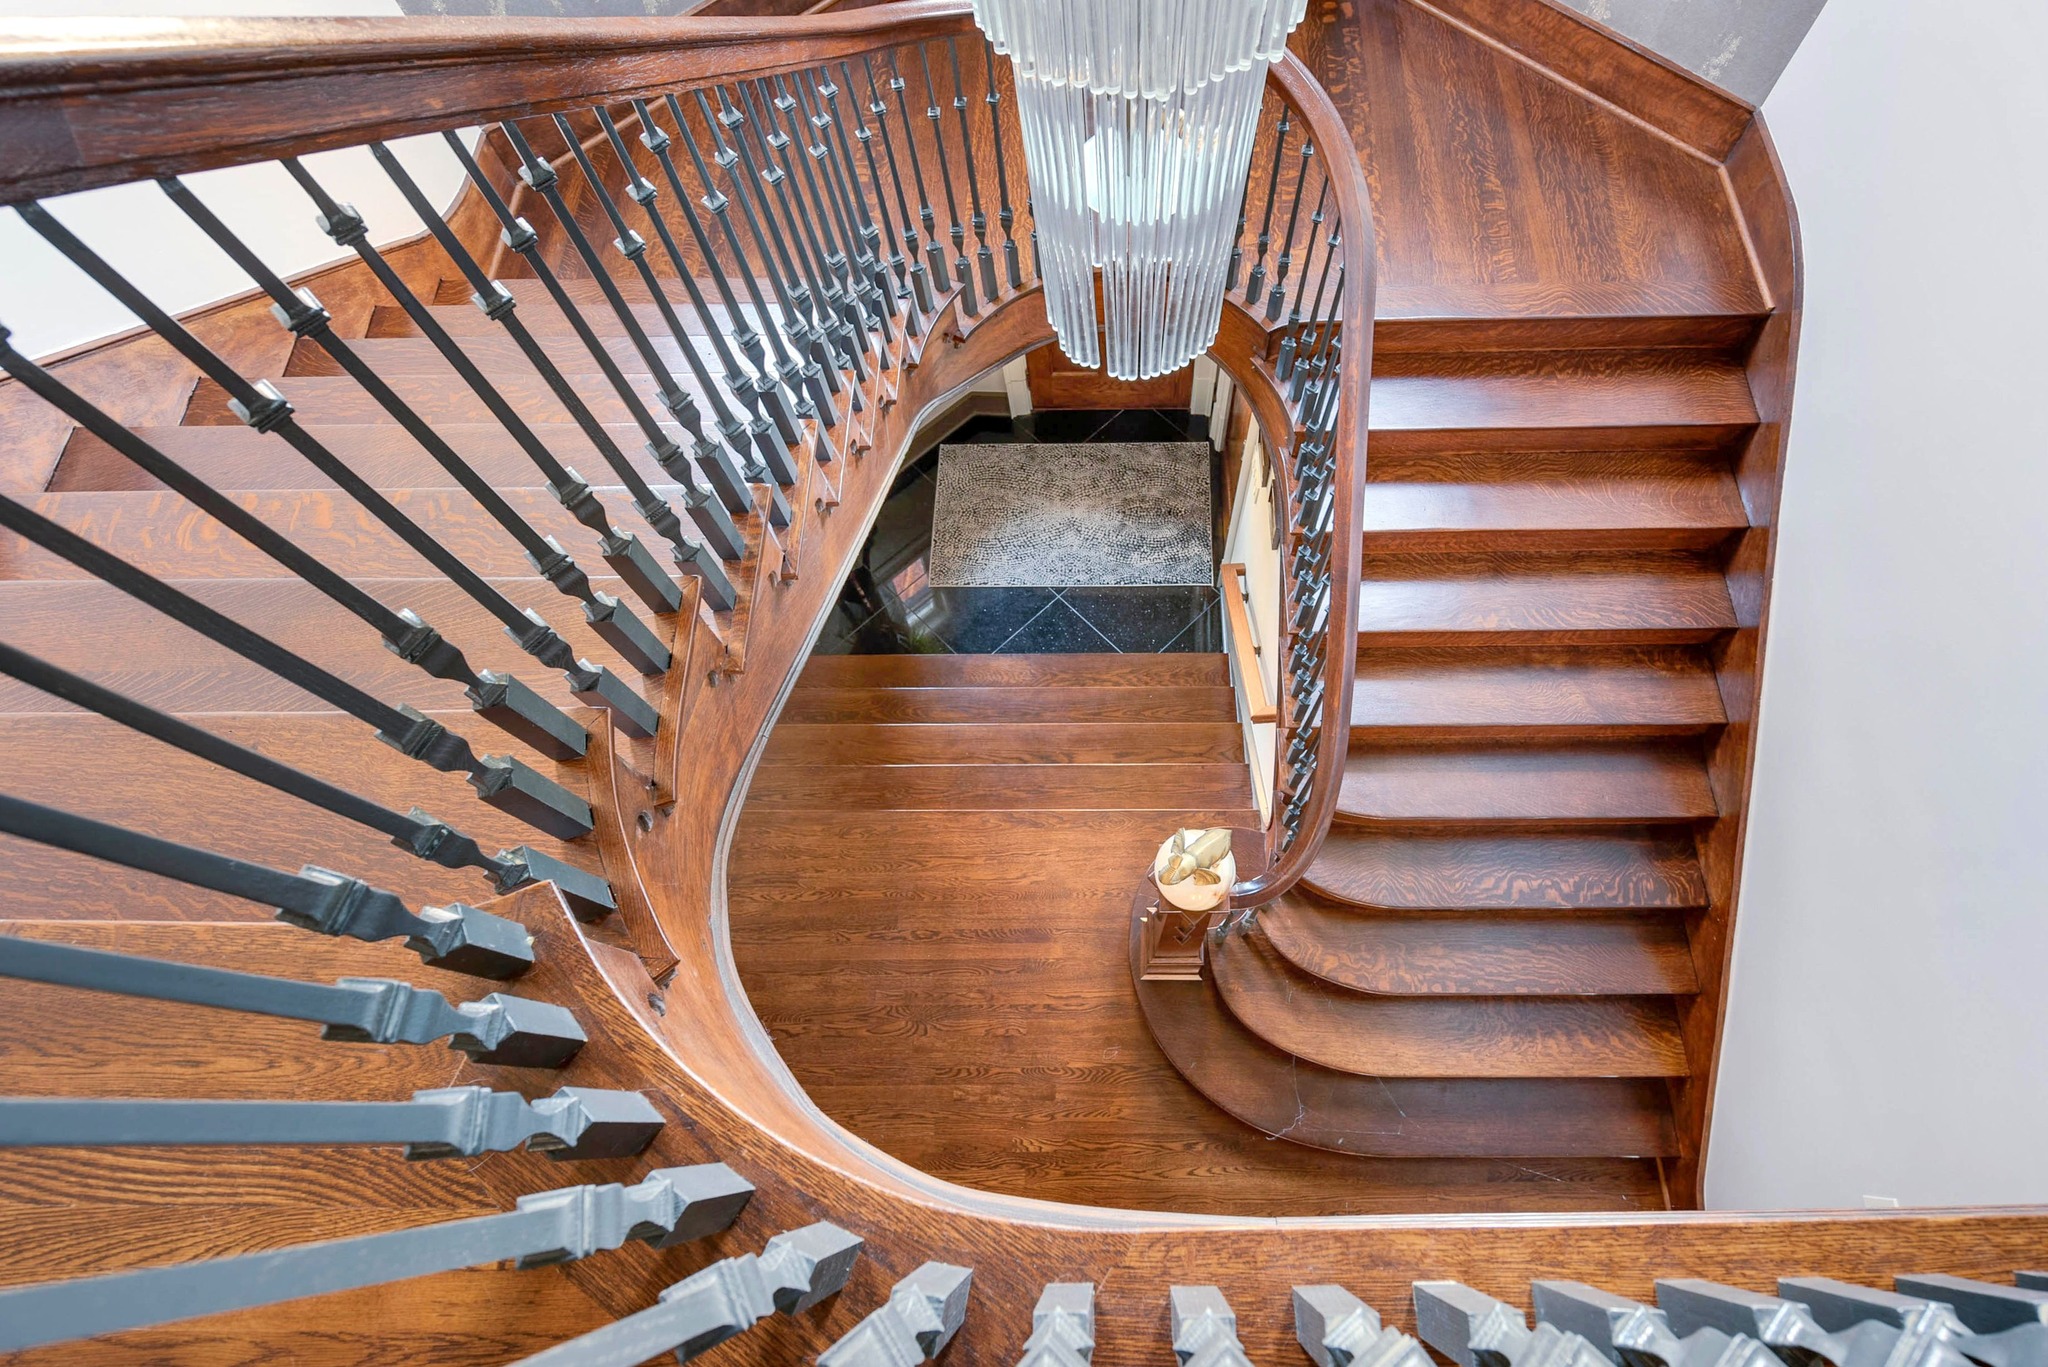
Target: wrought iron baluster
(1305,368)
(835,312)
(821,328)
(445,1122)
(1006,218)
(770,459)
(961,272)
(796,1271)
(909,268)
(731,458)
(301,314)
(934,251)
(507,1031)
(667,1207)
(766,395)
(1256,284)
(457,937)
(870,279)
(502,700)
(1204,1325)
(1290,345)
(923,1313)
(813,378)
(589,895)
(713,522)
(1276,297)
(984,259)
(719,467)
(837,236)
(504,782)
(498,303)
(894,290)
(1062,1327)
(626,556)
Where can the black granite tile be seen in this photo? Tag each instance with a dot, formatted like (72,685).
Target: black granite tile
(1138,424)
(1058,630)
(881,633)
(903,528)
(986,428)
(1204,635)
(1140,619)
(1068,424)
(1191,426)
(976,621)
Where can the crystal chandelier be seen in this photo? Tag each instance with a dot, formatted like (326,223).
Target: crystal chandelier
(1138,118)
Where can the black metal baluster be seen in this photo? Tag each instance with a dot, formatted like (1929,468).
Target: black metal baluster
(712,520)
(802,289)
(834,230)
(446,1122)
(589,895)
(731,456)
(716,463)
(1305,363)
(626,556)
(896,289)
(771,458)
(1006,217)
(857,229)
(962,273)
(504,782)
(498,303)
(840,315)
(458,937)
(665,1208)
(809,379)
(506,1031)
(1277,297)
(984,259)
(1291,343)
(910,271)
(300,313)
(500,699)
(1256,285)
(934,250)
(769,397)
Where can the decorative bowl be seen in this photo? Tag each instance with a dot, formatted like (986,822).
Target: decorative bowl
(1188,895)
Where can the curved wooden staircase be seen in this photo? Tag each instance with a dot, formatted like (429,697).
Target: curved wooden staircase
(671,1155)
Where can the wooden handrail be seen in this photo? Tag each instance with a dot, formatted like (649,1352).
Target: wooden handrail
(133,98)
(1353,209)
(1244,647)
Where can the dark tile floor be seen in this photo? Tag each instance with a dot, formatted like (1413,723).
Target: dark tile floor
(888,606)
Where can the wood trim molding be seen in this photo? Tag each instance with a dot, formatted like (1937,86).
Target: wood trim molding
(1244,647)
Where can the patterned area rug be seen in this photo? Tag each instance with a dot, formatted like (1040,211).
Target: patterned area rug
(1096,514)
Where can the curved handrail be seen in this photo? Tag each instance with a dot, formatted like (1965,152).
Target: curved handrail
(1293,854)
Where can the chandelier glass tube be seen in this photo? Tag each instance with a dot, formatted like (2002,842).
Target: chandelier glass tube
(1139,118)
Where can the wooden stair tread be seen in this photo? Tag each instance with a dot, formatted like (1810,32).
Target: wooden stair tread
(1186,669)
(991,743)
(105,771)
(160,532)
(1633,690)
(494,352)
(1442,1036)
(1619,783)
(381,453)
(1543,871)
(339,400)
(1646,597)
(1408,320)
(1003,787)
(70,623)
(534,299)
(1546,391)
(1326,1108)
(1056,702)
(1477,954)
(1590,512)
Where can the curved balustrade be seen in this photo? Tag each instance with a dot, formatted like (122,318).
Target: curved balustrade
(792,171)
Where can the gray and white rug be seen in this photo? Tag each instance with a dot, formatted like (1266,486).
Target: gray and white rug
(1012,516)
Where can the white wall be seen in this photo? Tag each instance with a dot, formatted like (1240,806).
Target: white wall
(50,305)
(1888,1028)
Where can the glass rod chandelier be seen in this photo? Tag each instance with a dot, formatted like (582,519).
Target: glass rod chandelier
(1138,119)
